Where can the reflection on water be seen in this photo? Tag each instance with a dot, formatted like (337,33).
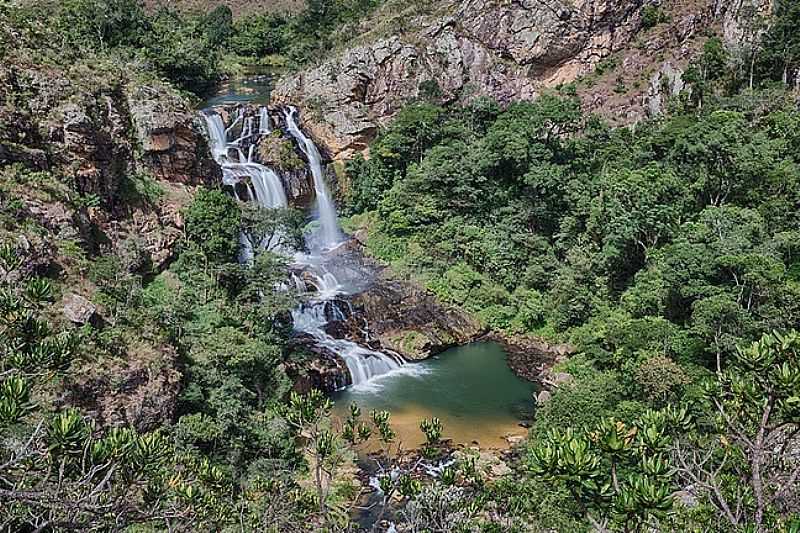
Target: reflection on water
(470,388)
(254,87)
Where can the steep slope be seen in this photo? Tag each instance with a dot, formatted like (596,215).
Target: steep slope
(618,50)
(96,164)
(240,8)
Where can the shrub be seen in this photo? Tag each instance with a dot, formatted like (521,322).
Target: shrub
(212,223)
(660,379)
(652,16)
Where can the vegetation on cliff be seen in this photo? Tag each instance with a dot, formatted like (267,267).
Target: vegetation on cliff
(143,380)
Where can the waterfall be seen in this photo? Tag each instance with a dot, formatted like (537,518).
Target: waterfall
(363,363)
(263,120)
(263,183)
(330,234)
(265,188)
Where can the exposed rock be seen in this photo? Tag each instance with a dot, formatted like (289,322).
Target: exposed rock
(509,51)
(532,357)
(739,26)
(543,397)
(557,379)
(325,371)
(172,144)
(406,319)
(513,440)
(665,83)
(78,309)
(141,391)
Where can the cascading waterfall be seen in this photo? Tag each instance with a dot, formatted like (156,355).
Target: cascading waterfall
(330,234)
(265,188)
(363,363)
(263,120)
(263,183)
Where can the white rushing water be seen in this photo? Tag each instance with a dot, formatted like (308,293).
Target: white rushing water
(263,120)
(330,234)
(263,183)
(365,365)
(265,187)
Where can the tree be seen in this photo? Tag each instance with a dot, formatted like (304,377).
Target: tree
(103,24)
(58,471)
(212,223)
(754,406)
(589,463)
(272,230)
(779,58)
(182,51)
(218,25)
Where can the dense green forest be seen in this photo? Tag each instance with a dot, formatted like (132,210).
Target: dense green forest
(191,50)
(667,253)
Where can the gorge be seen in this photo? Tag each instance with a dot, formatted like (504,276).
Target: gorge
(330,274)
(400,265)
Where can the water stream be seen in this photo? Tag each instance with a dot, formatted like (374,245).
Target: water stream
(330,234)
(265,187)
(471,389)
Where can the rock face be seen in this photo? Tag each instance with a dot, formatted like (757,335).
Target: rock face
(665,83)
(171,141)
(325,370)
(78,309)
(100,138)
(402,317)
(406,319)
(141,391)
(507,50)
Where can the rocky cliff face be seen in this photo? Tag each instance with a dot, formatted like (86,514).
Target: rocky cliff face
(509,51)
(119,158)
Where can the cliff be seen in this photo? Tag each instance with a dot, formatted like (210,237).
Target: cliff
(626,57)
(96,163)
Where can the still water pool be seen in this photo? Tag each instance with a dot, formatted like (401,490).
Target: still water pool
(470,388)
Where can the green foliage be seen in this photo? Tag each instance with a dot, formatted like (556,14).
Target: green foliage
(212,223)
(182,52)
(259,35)
(653,15)
(101,23)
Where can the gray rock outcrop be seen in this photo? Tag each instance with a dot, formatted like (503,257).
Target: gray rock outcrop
(509,51)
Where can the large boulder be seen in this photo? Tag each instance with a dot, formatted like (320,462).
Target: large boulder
(322,369)
(404,318)
(169,136)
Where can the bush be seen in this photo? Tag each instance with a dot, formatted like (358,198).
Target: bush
(582,403)
(652,16)
(212,223)
(660,379)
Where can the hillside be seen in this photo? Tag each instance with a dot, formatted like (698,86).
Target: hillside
(240,8)
(624,57)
